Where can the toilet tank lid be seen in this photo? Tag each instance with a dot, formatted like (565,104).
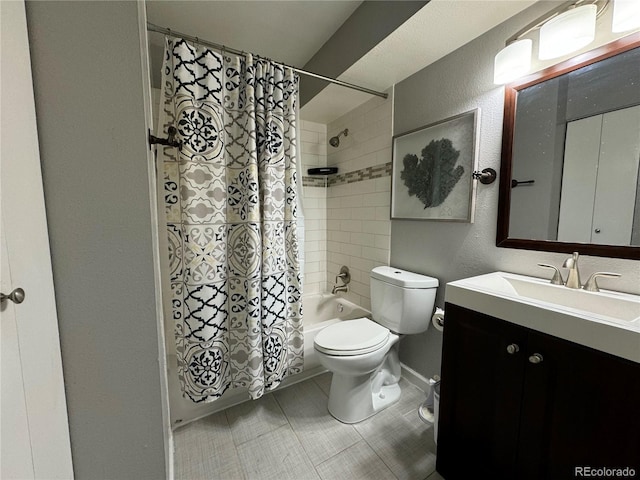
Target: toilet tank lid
(402,278)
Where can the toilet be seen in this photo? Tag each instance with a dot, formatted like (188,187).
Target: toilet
(362,354)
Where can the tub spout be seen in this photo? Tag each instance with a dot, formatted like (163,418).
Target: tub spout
(339,288)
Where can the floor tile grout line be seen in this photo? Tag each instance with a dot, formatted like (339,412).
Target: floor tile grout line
(253,413)
(235,447)
(287,422)
(315,467)
(381,459)
(293,430)
(362,439)
(210,431)
(346,448)
(242,464)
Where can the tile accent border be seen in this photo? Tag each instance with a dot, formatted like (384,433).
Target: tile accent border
(314,181)
(369,173)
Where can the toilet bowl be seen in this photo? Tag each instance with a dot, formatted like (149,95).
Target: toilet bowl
(362,354)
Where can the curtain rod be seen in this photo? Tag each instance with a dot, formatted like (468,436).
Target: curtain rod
(167,31)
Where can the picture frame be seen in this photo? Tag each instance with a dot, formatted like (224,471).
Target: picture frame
(432,170)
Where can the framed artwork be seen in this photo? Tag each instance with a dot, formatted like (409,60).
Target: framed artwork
(432,170)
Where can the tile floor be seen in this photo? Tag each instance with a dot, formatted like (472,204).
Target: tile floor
(289,434)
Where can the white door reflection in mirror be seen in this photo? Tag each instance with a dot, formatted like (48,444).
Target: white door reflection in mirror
(600,179)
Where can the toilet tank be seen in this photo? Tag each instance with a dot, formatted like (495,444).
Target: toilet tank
(402,301)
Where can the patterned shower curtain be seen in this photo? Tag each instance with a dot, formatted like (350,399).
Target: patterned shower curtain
(231,201)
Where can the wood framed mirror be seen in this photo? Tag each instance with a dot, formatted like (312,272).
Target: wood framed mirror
(570,173)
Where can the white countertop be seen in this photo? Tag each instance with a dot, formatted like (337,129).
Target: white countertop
(586,318)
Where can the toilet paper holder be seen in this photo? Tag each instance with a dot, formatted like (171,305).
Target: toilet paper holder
(438,319)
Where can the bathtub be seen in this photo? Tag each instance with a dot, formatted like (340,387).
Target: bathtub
(319,311)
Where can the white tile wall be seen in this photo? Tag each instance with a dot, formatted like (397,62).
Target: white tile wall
(358,237)
(369,140)
(314,154)
(358,214)
(314,144)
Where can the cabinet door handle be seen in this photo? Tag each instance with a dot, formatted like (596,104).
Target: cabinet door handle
(513,348)
(536,358)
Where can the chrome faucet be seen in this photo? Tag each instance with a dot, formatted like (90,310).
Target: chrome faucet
(573,280)
(345,276)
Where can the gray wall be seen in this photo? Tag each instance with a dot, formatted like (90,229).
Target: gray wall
(457,83)
(89,102)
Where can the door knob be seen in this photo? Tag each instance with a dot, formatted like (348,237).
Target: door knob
(17,296)
(536,358)
(513,348)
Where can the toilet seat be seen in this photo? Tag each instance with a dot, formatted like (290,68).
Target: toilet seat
(351,337)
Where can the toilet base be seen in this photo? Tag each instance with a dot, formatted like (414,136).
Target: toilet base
(354,398)
(351,399)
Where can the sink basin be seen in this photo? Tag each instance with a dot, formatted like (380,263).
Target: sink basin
(605,304)
(607,321)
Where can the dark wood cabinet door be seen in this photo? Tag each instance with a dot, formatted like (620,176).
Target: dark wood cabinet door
(540,412)
(480,396)
(580,408)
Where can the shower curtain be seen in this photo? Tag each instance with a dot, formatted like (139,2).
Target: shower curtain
(231,207)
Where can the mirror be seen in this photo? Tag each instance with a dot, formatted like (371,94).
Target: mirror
(570,173)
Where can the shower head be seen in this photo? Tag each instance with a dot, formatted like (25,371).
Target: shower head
(335,141)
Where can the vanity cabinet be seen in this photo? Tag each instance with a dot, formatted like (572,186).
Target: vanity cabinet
(519,404)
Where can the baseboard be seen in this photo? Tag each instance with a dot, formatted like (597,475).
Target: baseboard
(415,378)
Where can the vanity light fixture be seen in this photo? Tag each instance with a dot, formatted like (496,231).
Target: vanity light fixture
(563,30)
(567,32)
(512,61)
(626,15)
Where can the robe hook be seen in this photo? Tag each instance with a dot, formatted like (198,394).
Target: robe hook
(486,176)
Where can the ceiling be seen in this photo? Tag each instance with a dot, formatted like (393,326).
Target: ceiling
(293,31)
(288,31)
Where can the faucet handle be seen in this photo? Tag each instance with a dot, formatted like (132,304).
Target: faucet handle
(592,283)
(344,274)
(557,276)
